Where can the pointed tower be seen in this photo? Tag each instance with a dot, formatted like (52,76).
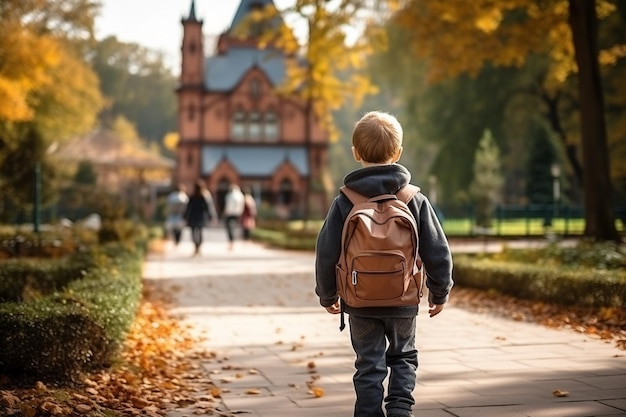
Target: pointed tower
(190,92)
(192,50)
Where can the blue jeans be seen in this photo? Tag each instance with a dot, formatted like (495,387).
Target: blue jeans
(369,336)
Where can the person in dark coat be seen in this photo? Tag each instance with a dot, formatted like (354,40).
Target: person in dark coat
(200,210)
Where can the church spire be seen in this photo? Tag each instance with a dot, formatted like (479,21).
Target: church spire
(192,12)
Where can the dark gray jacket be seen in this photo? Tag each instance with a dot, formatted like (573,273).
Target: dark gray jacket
(433,244)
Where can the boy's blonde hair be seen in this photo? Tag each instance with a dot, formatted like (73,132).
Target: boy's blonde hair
(377,137)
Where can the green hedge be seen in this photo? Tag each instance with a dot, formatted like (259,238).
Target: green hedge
(543,281)
(22,279)
(79,327)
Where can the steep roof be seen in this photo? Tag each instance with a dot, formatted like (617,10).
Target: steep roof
(103,147)
(245,7)
(236,56)
(223,72)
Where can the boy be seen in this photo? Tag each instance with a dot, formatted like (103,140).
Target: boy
(377,146)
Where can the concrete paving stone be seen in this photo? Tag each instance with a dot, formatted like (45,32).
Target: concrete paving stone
(570,409)
(247,404)
(607,382)
(498,365)
(618,394)
(492,411)
(467,398)
(581,365)
(619,404)
(432,413)
(331,398)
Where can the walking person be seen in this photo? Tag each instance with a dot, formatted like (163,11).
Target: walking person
(175,211)
(248,216)
(233,208)
(382,337)
(200,211)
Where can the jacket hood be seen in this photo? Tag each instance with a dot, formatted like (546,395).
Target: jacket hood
(378,179)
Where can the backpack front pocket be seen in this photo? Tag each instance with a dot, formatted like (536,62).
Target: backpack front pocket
(378,276)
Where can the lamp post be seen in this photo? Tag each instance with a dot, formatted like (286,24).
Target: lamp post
(555,170)
(37,206)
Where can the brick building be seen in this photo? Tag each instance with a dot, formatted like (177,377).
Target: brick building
(235,128)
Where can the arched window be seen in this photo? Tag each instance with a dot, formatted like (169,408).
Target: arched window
(285,194)
(238,126)
(270,127)
(254,125)
(191,112)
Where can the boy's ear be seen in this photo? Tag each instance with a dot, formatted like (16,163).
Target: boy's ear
(398,155)
(356,155)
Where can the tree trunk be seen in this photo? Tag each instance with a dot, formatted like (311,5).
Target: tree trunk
(599,216)
(552,104)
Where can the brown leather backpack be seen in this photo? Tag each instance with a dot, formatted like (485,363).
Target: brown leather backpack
(379,264)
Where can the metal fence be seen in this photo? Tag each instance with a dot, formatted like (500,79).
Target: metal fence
(528,220)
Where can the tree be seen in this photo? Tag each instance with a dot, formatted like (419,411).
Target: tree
(599,216)
(137,86)
(506,34)
(487,179)
(47,92)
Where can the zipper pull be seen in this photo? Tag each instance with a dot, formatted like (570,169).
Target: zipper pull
(353,277)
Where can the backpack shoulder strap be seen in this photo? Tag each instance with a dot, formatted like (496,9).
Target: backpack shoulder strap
(352,195)
(407,192)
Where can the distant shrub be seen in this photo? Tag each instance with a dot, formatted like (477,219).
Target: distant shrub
(588,274)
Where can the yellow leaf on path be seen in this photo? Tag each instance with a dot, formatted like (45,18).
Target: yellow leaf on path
(560,393)
(317,392)
(253,391)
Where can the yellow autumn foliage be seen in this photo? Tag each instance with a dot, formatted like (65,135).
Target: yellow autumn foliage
(43,79)
(26,63)
(457,36)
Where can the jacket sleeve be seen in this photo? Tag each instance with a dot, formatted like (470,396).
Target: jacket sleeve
(434,251)
(327,252)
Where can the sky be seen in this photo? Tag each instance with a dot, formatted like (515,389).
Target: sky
(155,24)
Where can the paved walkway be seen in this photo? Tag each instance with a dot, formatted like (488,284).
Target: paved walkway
(258,312)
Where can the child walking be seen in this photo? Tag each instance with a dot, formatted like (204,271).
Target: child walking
(383,337)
